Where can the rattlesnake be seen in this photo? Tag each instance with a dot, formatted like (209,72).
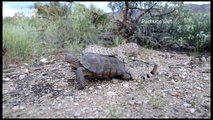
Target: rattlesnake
(121,53)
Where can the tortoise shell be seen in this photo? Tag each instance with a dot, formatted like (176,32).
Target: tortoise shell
(102,66)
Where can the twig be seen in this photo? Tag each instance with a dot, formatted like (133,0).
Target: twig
(38,30)
(8,70)
(139,60)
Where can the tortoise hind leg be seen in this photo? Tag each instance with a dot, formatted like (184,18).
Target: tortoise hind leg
(80,77)
(126,76)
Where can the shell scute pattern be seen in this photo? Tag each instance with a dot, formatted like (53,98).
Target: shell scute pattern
(102,66)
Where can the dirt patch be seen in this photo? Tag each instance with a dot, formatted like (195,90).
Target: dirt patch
(181,89)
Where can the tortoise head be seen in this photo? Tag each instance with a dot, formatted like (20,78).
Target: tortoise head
(70,58)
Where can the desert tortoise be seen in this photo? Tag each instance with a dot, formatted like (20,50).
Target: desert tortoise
(96,65)
(121,53)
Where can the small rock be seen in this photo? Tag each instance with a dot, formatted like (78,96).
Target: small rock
(185,104)
(197,87)
(97,112)
(206,65)
(90,88)
(142,85)
(160,73)
(59,104)
(26,70)
(44,74)
(177,87)
(108,87)
(186,63)
(175,46)
(69,97)
(176,94)
(208,59)
(172,82)
(128,115)
(126,85)
(206,104)
(58,98)
(95,92)
(202,85)
(77,114)
(206,107)
(114,81)
(166,90)
(206,78)
(146,101)
(21,107)
(99,87)
(182,76)
(192,110)
(203,59)
(159,79)
(36,64)
(5,91)
(131,102)
(139,102)
(149,91)
(85,109)
(76,104)
(44,60)
(6,79)
(130,96)
(22,77)
(15,108)
(167,55)
(110,93)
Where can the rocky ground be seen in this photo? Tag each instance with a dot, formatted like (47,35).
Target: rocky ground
(181,89)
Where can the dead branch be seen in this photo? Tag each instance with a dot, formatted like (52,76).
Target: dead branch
(142,14)
(126,12)
(38,30)
(9,70)
(162,14)
(141,9)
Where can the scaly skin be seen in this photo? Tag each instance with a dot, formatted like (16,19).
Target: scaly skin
(135,73)
(120,52)
(97,66)
(128,48)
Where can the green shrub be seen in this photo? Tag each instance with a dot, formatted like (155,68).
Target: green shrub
(195,30)
(19,41)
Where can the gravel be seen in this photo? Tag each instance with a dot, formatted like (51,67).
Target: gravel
(181,89)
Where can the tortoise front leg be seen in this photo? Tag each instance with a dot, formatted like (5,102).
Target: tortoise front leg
(81,72)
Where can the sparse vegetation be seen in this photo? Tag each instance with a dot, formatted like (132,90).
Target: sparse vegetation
(157,101)
(117,41)
(114,112)
(74,26)
(18,40)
